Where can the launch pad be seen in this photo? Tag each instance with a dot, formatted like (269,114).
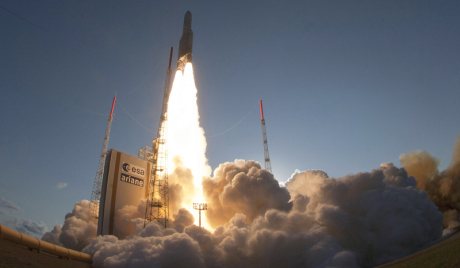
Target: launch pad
(152,161)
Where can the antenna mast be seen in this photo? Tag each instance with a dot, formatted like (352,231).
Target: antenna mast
(96,194)
(157,208)
(268,165)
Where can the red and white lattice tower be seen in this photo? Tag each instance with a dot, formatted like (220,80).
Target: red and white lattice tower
(96,194)
(268,165)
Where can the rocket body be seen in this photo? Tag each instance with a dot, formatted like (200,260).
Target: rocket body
(186,42)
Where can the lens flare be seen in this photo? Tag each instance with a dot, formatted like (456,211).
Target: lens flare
(185,136)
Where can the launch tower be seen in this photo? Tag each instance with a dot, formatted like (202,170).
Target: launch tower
(96,194)
(268,165)
(157,208)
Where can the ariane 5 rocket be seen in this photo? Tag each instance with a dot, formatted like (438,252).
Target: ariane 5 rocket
(186,42)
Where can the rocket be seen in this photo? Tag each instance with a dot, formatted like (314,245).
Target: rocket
(186,42)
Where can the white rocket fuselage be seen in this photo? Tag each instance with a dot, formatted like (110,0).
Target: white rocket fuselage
(186,42)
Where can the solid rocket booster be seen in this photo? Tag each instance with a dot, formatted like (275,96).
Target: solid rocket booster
(186,42)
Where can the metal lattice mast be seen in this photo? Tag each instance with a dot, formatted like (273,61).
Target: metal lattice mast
(96,194)
(157,208)
(200,207)
(268,165)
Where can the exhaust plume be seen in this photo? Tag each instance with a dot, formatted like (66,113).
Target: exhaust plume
(443,188)
(359,220)
(78,229)
(186,142)
(242,187)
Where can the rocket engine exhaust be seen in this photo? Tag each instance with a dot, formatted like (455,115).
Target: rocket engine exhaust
(186,141)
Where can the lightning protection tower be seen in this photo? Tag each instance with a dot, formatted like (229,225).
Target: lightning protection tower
(157,208)
(268,165)
(200,207)
(96,194)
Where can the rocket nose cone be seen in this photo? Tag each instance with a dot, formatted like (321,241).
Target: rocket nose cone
(188,20)
(188,16)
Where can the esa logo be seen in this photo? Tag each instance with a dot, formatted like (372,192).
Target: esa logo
(133,169)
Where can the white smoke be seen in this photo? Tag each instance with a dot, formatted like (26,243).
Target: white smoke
(78,229)
(242,187)
(53,236)
(124,220)
(359,220)
(442,187)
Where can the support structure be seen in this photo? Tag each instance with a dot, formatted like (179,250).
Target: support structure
(268,165)
(157,208)
(200,207)
(96,194)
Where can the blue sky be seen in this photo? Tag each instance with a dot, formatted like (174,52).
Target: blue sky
(346,86)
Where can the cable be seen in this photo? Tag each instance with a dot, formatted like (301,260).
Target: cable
(133,117)
(233,126)
(50,97)
(154,69)
(31,23)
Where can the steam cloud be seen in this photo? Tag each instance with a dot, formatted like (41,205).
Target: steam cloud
(182,189)
(443,187)
(242,187)
(359,220)
(123,220)
(53,236)
(78,229)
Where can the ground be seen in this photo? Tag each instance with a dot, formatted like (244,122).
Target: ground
(15,256)
(445,254)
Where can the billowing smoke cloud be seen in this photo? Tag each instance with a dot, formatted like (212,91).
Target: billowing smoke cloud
(356,221)
(153,247)
(443,188)
(305,183)
(359,220)
(451,219)
(379,215)
(242,187)
(182,219)
(123,220)
(78,229)
(182,189)
(53,236)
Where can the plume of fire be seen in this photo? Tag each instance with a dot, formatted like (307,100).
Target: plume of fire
(185,137)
